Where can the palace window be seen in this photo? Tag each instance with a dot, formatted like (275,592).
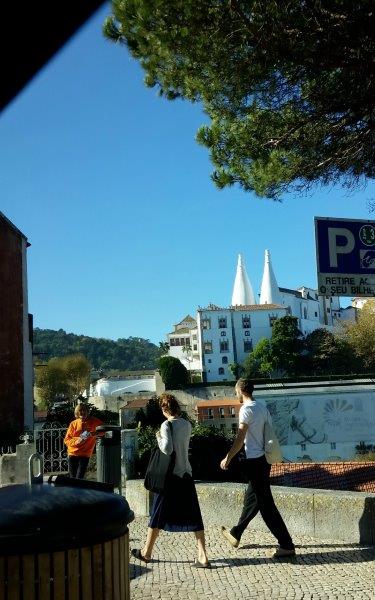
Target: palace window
(247,346)
(222,322)
(206,323)
(207,347)
(246,323)
(272,319)
(224,346)
(303,447)
(221,411)
(221,371)
(247,332)
(223,333)
(224,360)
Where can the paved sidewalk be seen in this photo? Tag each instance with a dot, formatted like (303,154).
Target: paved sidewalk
(321,571)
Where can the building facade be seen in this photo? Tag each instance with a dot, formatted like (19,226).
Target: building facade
(16,366)
(184,344)
(224,336)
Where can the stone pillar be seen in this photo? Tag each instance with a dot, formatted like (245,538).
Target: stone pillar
(14,468)
(129,453)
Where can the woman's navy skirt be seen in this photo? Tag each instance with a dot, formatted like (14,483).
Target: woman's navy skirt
(178,508)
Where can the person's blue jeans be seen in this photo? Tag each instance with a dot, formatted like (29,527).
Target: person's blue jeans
(258,498)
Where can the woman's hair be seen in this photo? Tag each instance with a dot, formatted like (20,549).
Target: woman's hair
(80,410)
(169,404)
(245,386)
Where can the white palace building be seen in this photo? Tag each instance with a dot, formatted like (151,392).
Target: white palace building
(221,336)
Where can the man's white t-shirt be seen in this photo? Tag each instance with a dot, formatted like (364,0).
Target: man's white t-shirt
(254,415)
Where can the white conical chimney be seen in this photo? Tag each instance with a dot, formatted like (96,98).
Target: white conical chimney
(269,293)
(242,291)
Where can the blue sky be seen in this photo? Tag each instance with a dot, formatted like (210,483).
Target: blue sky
(128,233)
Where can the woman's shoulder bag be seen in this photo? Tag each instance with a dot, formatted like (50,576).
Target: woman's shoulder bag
(159,467)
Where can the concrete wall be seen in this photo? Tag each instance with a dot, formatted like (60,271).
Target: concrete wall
(14,468)
(323,514)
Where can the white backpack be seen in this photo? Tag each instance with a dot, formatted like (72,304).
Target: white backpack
(272,448)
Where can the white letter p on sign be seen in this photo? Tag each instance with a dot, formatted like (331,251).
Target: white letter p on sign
(334,249)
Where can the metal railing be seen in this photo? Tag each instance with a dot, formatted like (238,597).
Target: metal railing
(50,444)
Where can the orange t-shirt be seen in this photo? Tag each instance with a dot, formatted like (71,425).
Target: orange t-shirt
(75,446)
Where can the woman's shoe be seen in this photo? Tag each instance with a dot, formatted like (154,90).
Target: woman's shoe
(138,554)
(198,565)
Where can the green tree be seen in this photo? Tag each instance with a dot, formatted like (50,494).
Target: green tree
(62,377)
(286,346)
(329,354)
(150,416)
(77,372)
(173,373)
(361,336)
(288,86)
(236,370)
(259,363)
(50,381)
(164,347)
(281,355)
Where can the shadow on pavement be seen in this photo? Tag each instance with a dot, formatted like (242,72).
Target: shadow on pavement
(327,545)
(311,558)
(136,570)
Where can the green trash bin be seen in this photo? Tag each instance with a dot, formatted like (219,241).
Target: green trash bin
(108,454)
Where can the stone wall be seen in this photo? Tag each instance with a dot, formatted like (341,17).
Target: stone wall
(323,514)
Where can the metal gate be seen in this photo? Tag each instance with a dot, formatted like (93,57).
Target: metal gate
(50,444)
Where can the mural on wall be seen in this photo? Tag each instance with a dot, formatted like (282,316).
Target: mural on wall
(323,417)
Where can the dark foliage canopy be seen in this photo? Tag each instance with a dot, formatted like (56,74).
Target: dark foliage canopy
(288,86)
(173,373)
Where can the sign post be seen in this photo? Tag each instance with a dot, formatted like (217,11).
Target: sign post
(345,254)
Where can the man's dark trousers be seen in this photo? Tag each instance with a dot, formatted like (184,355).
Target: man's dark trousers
(78,466)
(258,498)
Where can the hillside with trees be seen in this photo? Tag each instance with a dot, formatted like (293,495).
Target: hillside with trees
(131,353)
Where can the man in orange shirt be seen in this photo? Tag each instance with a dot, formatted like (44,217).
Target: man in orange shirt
(80,440)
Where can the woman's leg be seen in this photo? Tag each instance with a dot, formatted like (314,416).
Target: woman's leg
(201,545)
(147,549)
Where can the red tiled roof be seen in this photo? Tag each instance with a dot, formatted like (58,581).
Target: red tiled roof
(218,402)
(136,403)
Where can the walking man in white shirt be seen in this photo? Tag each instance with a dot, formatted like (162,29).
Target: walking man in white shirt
(258,496)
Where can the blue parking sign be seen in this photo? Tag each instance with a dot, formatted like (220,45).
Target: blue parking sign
(345,252)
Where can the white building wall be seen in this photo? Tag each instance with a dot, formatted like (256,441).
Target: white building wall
(213,361)
(235,334)
(117,387)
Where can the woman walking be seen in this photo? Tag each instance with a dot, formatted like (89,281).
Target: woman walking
(177,509)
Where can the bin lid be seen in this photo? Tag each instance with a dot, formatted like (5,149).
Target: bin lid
(108,428)
(43,518)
